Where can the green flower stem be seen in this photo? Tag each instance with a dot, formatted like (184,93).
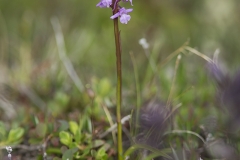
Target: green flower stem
(119,85)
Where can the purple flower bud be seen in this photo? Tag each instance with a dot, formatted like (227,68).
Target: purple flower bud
(123,14)
(104,3)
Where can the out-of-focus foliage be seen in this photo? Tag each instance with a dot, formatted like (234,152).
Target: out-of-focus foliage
(14,136)
(39,102)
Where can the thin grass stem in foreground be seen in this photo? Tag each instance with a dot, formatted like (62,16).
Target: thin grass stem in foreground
(63,56)
(108,114)
(137,89)
(199,54)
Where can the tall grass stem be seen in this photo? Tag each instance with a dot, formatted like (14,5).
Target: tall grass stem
(63,55)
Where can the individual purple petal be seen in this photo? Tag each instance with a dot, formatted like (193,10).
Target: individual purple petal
(104,3)
(115,15)
(125,18)
(125,11)
(128,10)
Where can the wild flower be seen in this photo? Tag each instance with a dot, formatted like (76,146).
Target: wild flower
(104,3)
(122,13)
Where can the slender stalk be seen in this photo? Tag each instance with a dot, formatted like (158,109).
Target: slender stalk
(136,79)
(119,84)
(110,122)
(133,129)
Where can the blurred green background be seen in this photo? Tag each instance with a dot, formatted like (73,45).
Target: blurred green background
(88,31)
(29,55)
(28,47)
(33,78)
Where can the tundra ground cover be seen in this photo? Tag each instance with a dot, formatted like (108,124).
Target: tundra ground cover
(58,85)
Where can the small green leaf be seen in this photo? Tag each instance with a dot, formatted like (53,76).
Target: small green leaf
(101,154)
(78,137)
(35,119)
(73,126)
(41,129)
(69,154)
(93,153)
(98,143)
(63,125)
(65,138)
(85,153)
(15,135)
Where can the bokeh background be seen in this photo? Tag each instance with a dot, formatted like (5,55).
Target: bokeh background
(29,54)
(209,25)
(33,78)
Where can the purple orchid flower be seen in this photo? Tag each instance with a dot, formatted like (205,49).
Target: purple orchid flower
(104,3)
(123,14)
